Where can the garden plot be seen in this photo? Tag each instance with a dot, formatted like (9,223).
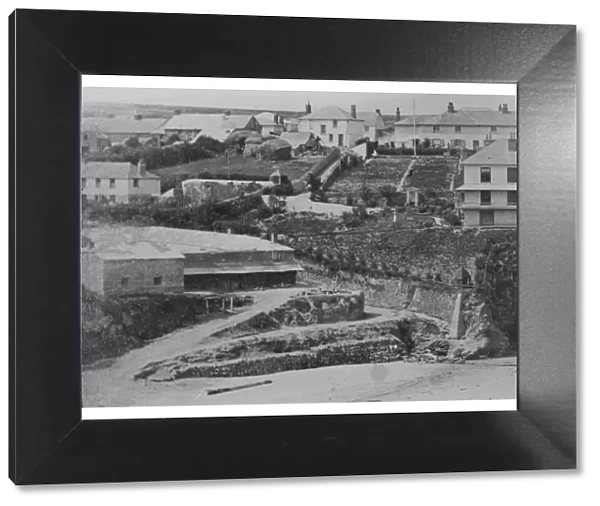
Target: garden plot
(433,174)
(376,173)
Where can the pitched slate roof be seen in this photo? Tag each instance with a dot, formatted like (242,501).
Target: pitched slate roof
(180,240)
(266,119)
(371,119)
(211,125)
(122,125)
(330,112)
(464,117)
(114,170)
(496,153)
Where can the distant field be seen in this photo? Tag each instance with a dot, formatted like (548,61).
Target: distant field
(376,173)
(294,169)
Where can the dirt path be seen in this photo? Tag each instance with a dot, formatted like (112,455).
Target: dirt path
(410,165)
(185,340)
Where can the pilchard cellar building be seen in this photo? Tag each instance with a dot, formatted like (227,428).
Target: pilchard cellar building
(133,260)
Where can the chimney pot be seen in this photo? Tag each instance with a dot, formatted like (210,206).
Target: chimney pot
(378,111)
(353,111)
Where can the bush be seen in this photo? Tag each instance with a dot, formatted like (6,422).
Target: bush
(452,219)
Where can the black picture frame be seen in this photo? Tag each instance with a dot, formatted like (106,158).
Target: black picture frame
(50,444)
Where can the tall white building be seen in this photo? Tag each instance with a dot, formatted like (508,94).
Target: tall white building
(333,125)
(488,196)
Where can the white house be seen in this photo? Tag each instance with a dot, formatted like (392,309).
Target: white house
(374,124)
(488,196)
(466,127)
(270,123)
(333,125)
(117,182)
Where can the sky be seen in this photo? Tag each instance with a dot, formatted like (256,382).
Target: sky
(294,100)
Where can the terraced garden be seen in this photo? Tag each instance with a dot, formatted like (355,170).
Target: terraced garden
(434,174)
(376,173)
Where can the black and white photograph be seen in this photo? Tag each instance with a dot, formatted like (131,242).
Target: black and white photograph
(244,247)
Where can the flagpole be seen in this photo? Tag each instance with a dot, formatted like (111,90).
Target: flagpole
(414,129)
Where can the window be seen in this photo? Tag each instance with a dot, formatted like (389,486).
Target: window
(486,175)
(340,139)
(485,197)
(475,144)
(111,183)
(330,137)
(493,129)
(511,198)
(96,198)
(436,128)
(113,198)
(85,137)
(511,174)
(513,135)
(84,197)
(366,129)
(136,183)
(98,182)
(157,280)
(125,281)
(323,129)
(335,123)
(277,256)
(458,128)
(83,181)
(486,218)
(461,197)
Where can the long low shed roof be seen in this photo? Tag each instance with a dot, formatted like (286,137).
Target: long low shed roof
(242,269)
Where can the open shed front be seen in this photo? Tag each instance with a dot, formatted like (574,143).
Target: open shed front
(238,281)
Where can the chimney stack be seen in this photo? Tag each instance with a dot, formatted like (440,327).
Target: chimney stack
(504,108)
(229,231)
(353,111)
(141,167)
(308,108)
(451,107)
(177,112)
(499,107)
(272,236)
(397,113)
(512,145)
(138,116)
(378,111)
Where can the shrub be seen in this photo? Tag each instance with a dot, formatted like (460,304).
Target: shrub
(452,219)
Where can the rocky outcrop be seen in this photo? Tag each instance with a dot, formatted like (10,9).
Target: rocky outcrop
(408,338)
(308,308)
(483,339)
